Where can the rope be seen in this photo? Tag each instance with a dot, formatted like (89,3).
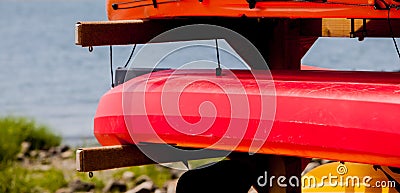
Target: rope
(216,47)
(130,57)
(392,34)
(218,69)
(111,68)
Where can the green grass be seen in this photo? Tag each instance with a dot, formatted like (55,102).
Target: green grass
(13,177)
(16,179)
(15,130)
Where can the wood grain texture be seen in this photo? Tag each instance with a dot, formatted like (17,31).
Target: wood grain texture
(109,157)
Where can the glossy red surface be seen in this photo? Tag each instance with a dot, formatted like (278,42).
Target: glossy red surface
(238,8)
(347,116)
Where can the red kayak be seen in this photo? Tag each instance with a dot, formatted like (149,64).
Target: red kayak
(346,116)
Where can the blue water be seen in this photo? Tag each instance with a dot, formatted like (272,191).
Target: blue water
(43,75)
(372,54)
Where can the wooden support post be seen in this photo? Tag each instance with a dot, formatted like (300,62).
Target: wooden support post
(108,157)
(287,43)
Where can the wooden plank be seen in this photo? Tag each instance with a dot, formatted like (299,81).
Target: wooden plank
(109,157)
(103,33)
(138,31)
(100,33)
(102,158)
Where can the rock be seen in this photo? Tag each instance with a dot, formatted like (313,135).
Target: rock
(316,160)
(53,151)
(43,154)
(45,161)
(113,186)
(128,176)
(64,190)
(63,148)
(145,187)
(79,186)
(160,191)
(141,179)
(325,161)
(67,154)
(34,153)
(25,147)
(252,190)
(170,186)
(175,174)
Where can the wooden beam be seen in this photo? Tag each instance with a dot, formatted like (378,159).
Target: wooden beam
(109,157)
(282,42)
(138,31)
(104,33)
(101,33)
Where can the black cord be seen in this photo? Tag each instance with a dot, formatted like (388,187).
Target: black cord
(349,4)
(116,7)
(339,3)
(111,68)
(392,34)
(218,70)
(252,3)
(216,47)
(130,57)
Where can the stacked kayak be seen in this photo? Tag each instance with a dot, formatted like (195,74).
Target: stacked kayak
(344,116)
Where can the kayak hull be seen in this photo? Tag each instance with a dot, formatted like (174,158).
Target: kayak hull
(122,10)
(345,116)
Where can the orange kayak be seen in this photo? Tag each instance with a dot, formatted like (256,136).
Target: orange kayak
(153,9)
